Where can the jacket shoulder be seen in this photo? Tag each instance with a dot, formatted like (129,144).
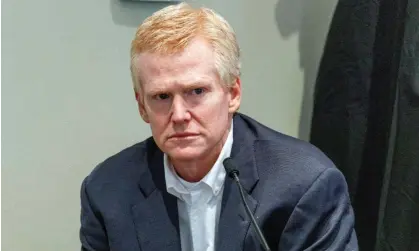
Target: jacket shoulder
(273,144)
(288,166)
(121,166)
(284,159)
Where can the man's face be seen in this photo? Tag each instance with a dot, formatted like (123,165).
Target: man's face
(188,106)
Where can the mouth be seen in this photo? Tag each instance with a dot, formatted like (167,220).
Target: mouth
(183,136)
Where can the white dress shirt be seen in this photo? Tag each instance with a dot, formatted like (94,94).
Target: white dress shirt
(199,204)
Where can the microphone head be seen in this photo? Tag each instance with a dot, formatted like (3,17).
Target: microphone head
(230,167)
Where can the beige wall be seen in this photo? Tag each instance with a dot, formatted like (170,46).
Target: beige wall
(67,101)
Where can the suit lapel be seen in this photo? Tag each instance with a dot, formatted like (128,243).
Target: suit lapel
(234,223)
(156,216)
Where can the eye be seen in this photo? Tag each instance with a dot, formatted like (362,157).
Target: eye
(198,91)
(162,96)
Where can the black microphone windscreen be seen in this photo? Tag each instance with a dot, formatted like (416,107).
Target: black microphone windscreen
(230,167)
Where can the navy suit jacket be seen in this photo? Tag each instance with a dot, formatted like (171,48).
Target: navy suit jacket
(299,198)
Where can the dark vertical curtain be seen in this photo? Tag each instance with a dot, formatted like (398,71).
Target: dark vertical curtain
(399,221)
(366,116)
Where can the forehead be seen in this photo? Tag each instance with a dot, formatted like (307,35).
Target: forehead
(195,63)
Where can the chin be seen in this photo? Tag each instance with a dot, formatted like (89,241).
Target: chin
(185,154)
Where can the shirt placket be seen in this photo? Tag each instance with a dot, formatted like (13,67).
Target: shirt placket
(198,218)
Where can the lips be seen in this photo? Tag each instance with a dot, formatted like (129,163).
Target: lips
(182,135)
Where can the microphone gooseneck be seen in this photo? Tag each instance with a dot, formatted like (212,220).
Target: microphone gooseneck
(233,173)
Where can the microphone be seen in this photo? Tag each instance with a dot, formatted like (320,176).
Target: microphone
(233,173)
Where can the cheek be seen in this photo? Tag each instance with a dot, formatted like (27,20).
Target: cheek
(213,115)
(157,125)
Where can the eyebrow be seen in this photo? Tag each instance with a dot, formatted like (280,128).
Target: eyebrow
(192,85)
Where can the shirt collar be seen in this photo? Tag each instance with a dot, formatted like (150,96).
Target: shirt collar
(214,179)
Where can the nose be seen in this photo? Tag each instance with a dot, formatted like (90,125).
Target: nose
(180,113)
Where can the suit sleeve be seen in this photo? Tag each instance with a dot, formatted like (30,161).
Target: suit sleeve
(92,231)
(323,218)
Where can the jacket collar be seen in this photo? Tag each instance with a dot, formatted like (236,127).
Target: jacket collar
(155,215)
(234,224)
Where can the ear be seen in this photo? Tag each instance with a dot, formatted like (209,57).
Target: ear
(235,96)
(141,107)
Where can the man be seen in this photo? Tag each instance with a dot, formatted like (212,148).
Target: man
(170,192)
